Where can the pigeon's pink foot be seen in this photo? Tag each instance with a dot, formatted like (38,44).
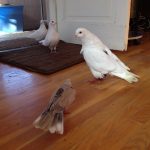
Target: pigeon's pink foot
(96,80)
(66,112)
(93,81)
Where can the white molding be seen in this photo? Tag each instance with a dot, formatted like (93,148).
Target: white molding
(127,27)
(51,10)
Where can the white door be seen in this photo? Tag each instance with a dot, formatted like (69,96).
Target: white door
(108,19)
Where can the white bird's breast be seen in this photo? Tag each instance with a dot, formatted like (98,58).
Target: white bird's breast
(92,54)
(97,59)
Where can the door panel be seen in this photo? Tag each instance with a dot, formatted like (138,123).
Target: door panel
(108,19)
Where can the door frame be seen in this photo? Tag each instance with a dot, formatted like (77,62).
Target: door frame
(127,27)
(52,10)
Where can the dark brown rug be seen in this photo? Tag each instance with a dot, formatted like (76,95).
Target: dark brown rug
(17,44)
(39,58)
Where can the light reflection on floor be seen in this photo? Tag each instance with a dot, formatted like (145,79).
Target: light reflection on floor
(15,81)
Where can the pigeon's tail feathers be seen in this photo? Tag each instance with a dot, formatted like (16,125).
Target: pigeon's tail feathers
(128,76)
(52,129)
(48,122)
(43,121)
(123,65)
(36,122)
(58,124)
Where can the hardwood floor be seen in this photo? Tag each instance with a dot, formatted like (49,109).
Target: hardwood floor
(108,115)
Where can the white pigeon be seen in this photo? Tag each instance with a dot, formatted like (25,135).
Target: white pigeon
(100,59)
(40,33)
(52,38)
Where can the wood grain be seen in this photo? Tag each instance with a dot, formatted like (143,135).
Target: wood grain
(108,115)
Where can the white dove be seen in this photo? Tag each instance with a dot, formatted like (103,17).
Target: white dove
(52,38)
(100,59)
(40,33)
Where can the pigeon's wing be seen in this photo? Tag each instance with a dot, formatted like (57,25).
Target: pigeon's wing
(49,33)
(98,60)
(67,98)
(39,34)
(103,47)
(108,51)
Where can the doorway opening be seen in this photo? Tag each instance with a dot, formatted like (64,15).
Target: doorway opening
(139,20)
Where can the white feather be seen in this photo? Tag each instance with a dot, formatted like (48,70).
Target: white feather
(60,123)
(40,33)
(52,129)
(60,127)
